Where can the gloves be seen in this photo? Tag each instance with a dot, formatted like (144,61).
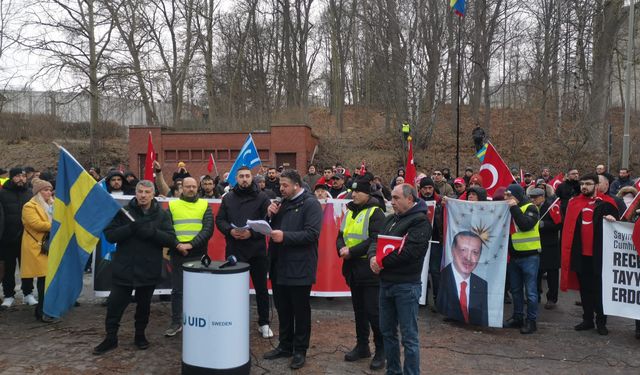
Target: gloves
(135,225)
(146,230)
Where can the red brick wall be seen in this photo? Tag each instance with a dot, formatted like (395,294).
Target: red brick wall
(193,148)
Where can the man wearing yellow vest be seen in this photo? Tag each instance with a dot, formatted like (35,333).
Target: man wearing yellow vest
(524,249)
(360,227)
(193,223)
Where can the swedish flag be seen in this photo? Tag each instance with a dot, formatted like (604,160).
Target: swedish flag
(81,211)
(481,152)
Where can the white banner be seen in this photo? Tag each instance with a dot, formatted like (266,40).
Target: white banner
(620,271)
(477,265)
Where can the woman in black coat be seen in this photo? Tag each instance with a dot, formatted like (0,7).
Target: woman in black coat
(550,255)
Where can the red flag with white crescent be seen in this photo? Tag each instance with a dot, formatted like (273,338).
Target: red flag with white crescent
(494,171)
(210,165)
(554,212)
(386,245)
(148,161)
(557,180)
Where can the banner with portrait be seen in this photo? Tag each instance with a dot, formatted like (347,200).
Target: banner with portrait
(474,262)
(620,271)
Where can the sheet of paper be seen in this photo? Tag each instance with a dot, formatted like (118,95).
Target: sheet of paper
(260,226)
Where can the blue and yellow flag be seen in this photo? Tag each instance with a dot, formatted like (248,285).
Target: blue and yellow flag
(81,211)
(457,6)
(481,152)
(248,157)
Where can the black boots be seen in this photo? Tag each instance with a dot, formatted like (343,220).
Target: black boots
(109,343)
(141,341)
(358,352)
(513,322)
(378,361)
(529,327)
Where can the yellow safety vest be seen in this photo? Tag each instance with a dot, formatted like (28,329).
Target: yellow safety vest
(187,218)
(3,180)
(406,128)
(356,230)
(529,240)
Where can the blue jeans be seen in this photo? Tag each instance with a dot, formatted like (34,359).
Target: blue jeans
(523,273)
(399,305)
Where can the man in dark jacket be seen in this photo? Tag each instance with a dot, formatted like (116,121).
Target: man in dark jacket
(400,285)
(293,249)
(137,265)
(273,182)
(362,223)
(582,244)
(524,250)
(550,242)
(246,202)
(117,184)
(568,189)
(428,193)
(13,197)
(193,223)
(624,179)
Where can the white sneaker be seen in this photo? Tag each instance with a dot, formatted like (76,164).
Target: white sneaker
(265,331)
(8,302)
(30,300)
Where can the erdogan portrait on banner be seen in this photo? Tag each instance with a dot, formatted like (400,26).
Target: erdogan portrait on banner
(463,295)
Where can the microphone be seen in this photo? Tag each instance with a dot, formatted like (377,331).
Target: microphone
(277,201)
(231,261)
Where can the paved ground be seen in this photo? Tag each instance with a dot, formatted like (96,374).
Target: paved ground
(30,347)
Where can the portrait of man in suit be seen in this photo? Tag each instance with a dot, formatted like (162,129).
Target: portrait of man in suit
(463,295)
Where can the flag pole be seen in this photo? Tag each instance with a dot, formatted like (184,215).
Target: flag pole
(627,89)
(458,100)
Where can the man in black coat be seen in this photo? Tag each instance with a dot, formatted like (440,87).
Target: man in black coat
(293,249)
(400,272)
(137,265)
(568,189)
(362,223)
(117,184)
(13,197)
(463,294)
(246,202)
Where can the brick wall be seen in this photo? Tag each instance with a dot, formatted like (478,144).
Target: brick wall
(194,148)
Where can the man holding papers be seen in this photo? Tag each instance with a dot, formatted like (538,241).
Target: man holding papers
(400,285)
(246,202)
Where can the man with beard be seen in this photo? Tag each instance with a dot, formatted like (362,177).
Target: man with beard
(442,185)
(293,249)
(13,196)
(246,202)
(624,179)
(582,250)
(337,185)
(359,231)
(193,223)
(117,185)
(273,182)
(568,189)
(208,188)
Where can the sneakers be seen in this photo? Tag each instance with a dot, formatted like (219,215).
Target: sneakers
(106,345)
(265,331)
(173,330)
(30,300)
(8,302)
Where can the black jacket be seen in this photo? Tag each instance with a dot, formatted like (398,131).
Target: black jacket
(406,266)
(201,241)
(238,206)
(273,186)
(448,301)
(295,260)
(126,188)
(12,198)
(550,239)
(356,269)
(565,191)
(138,257)
(525,222)
(602,209)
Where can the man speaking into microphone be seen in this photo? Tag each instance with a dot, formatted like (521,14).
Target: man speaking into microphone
(245,202)
(293,249)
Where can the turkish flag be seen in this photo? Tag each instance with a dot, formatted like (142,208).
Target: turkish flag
(635,236)
(628,213)
(410,170)
(494,171)
(149,159)
(210,165)
(386,245)
(557,180)
(554,211)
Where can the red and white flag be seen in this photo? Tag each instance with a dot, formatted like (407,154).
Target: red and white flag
(635,236)
(363,169)
(410,170)
(494,171)
(149,159)
(557,180)
(212,162)
(386,245)
(554,212)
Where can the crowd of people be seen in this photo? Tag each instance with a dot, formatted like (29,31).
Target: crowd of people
(385,292)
